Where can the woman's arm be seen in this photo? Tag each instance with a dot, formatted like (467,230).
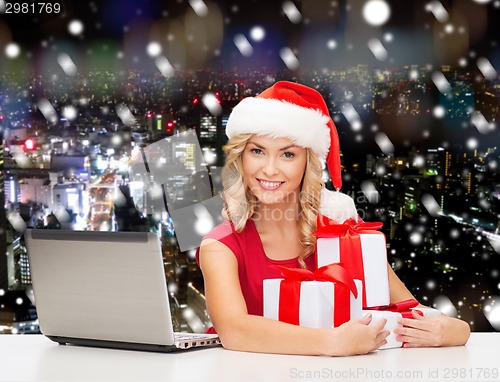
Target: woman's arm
(440,330)
(239,330)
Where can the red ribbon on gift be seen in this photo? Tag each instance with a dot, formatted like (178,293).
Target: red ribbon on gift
(349,243)
(327,227)
(402,307)
(290,291)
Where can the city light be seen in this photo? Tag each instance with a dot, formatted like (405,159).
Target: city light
(29,144)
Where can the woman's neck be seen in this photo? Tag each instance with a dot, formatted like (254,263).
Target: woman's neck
(283,217)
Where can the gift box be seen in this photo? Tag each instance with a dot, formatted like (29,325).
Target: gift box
(324,299)
(362,250)
(392,313)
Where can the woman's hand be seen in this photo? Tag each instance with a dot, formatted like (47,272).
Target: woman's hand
(438,330)
(358,337)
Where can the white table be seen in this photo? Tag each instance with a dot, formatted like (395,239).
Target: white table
(35,358)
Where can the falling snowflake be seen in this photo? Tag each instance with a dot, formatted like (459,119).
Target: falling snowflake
(153,48)
(444,304)
(75,27)
(67,64)
(191,254)
(437,9)
(62,214)
(491,310)
(164,66)
(291,11)
(289,58)
(441,82)
(125,114)
(480,122)
(212,103)
(173,287)
(449,28)
(416,238)
(116,140)
(439,112)
(257,33)
(204,223)
(47,110)
(376,12)
(384,143)
(431,205)
(69,112)
(370,191)
(16,221)
(388,37)
(331,44)
(472,143)
(12,50)
(199,7)
(243,45)
(352,116)
(378,49)
(380,170)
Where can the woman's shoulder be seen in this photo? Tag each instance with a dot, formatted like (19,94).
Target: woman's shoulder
(226,234)
(221,231)
(226,230)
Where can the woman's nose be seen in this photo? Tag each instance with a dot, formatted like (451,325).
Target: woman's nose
(270,168)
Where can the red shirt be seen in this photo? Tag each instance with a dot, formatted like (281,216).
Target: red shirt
(253,264)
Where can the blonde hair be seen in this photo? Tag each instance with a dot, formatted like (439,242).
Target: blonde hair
(240,202)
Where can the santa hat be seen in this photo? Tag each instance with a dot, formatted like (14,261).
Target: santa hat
(294,111)
(297,112)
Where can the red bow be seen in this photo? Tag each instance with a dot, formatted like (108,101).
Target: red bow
(290,291)
(402,307)
(328,228)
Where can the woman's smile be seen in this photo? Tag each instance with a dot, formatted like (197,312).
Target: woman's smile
(269,185)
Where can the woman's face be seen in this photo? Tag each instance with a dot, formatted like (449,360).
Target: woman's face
(273,168)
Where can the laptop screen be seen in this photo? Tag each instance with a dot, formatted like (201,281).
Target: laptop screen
(107,286)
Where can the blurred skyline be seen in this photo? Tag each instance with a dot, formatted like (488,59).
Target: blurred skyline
(255,34)
(413,88)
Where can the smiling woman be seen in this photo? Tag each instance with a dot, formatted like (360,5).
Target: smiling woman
(273,193)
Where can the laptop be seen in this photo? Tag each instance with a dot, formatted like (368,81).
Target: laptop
(105,289)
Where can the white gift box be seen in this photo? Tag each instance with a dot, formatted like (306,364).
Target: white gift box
(317,302)
(374,254)
(392,323)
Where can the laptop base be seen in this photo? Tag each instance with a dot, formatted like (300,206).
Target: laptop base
(123,345)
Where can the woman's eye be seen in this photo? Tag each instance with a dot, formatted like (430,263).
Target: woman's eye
(256,151)
(288,154)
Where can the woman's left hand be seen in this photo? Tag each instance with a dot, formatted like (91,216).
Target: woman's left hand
(440,330)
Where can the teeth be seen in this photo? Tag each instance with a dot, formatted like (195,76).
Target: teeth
(269,184)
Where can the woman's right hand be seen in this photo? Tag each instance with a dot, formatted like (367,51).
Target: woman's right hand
(358,337)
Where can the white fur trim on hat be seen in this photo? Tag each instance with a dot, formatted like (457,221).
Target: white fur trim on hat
(280,119)
(337,206)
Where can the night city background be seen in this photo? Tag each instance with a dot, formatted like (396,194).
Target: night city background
(413,88)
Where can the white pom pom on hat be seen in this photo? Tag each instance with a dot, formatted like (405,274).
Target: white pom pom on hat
(337,206)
